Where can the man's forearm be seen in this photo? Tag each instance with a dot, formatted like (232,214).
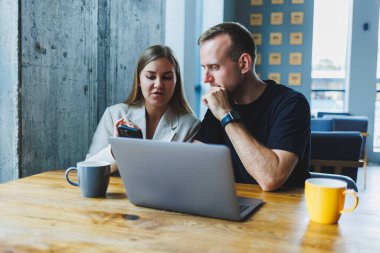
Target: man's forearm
(270,168)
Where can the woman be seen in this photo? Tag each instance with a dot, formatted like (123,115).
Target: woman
(156,105)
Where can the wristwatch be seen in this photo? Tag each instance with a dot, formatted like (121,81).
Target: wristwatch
(230,117)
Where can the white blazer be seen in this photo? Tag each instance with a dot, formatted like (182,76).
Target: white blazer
(171,127)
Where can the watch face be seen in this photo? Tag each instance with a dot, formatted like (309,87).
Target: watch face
(235,115)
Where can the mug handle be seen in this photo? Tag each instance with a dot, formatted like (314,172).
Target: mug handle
(356,199)
(67,176)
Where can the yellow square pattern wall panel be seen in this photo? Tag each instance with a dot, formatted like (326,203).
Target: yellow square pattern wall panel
(256,19)
(295,58)
(276,18)
(256,2)
(275,39)
(282,30)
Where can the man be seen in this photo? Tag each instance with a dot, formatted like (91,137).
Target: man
(266,126)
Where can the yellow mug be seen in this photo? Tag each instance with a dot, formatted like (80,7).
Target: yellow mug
(325,199)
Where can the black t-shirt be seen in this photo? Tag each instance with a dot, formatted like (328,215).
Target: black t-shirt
(278,119)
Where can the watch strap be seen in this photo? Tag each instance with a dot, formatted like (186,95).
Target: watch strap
(230,117)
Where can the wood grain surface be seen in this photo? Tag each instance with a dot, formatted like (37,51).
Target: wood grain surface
(43,213)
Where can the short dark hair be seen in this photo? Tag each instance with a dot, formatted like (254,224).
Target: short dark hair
(241,38)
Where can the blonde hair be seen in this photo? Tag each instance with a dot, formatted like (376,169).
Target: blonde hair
(178,101)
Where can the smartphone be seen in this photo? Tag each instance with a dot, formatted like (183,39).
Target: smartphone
(125,131)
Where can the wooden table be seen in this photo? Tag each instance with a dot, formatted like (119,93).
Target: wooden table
(44,213)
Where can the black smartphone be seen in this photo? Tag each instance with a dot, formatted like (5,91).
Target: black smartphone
(125,131)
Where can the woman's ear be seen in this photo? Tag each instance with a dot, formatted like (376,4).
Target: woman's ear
(245,63)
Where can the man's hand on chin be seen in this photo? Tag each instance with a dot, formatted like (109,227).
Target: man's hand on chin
(216,99)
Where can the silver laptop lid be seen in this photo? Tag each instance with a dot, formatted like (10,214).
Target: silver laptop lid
(181,177)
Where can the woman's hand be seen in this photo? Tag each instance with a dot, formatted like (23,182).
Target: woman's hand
(124,122)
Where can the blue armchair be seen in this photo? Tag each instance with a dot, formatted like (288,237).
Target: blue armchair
(353,123)
(321,124)
(336,153)
(330,122)
(322,114)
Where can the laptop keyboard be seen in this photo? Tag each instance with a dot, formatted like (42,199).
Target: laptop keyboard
(242,207)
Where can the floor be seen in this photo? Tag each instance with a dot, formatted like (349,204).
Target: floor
(372,182)
(368,199)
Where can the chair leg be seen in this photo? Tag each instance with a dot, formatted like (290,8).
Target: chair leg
(365,176)
(365,169)
(364,166)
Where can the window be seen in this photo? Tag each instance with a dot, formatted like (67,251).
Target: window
(329,55)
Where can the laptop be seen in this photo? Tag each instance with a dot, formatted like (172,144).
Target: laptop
(187,178)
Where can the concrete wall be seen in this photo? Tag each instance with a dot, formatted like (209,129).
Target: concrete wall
(134,25)
(77,58)
(8,90)
(59,63)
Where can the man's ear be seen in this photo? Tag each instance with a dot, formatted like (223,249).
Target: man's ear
(245,63)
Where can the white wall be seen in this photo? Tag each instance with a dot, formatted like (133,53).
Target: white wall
(179,31)
(182,29)
(362,63)
(212,14)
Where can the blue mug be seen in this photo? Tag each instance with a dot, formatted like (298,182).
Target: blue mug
(93,178)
